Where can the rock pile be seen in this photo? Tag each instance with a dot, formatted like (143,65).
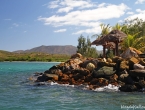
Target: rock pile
(128,73)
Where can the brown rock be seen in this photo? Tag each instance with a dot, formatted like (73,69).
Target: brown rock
(102,82)
(130,52)
(53,76)
(109,60)
(116,59)
(65,77)
(124,65)
(77,55)
(94,81)
(132,61)
(90,66)
(114,78)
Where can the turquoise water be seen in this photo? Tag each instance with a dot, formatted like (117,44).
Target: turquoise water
(18,93)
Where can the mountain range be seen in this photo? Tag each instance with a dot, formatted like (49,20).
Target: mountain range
(55,49)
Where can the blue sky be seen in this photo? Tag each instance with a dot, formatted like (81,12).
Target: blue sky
(25,24)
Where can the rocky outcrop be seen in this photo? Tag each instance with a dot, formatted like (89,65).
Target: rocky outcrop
(128,73)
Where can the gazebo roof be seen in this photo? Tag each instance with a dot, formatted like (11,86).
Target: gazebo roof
(115,35)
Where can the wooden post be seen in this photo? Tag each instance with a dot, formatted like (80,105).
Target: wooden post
(116,44)
(104,52)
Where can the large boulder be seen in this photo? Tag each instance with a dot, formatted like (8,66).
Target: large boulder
(130,52)
(103,71)
(90,66)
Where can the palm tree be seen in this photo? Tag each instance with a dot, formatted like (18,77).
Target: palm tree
(119,27)
(105,30)
(134,41)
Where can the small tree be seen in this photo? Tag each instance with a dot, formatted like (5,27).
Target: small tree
(84,47)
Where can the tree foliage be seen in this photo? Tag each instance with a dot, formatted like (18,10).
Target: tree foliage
(84,47)
(135,30)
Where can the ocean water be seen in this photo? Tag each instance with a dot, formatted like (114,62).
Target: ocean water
(18,93)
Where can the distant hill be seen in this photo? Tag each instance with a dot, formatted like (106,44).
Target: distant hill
(56,49)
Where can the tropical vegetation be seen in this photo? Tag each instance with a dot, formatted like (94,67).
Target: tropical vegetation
(84,47)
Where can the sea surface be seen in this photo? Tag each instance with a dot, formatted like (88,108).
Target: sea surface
(18,93)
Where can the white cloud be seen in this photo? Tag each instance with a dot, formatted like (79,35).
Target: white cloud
(88,18)
(53,4)
(139,1)
(68,5)
(60,30)
(66,9)
(140,14)
(101,5)
(93,30)
(138,10)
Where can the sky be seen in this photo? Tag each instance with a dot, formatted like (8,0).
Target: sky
(25,24)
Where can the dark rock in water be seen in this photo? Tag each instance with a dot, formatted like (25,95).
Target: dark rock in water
(46,77)
(137,72)
(128,88)
(103,71)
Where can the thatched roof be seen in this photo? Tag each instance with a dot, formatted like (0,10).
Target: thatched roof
(102,42)
(115,35)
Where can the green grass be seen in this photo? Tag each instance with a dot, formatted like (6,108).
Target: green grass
(10,56)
